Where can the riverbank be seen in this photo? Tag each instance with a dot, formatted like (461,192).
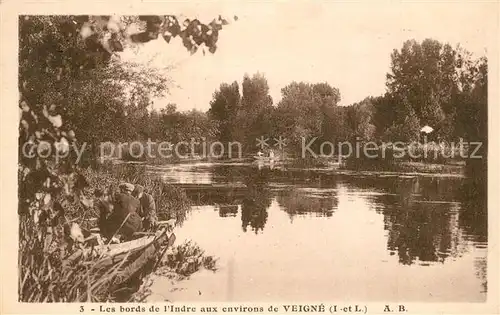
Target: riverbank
(448,168)
(180,261)
(457,168)
(435,160)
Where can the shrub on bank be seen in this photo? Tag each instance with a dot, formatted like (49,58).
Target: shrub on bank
(310,162)
(41,253)
(382,160)
(429,157)
(171,201)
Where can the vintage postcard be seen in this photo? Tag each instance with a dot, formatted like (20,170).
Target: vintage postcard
(249,157)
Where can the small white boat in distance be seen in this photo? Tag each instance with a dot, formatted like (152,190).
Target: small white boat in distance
(264,158)
(270,157)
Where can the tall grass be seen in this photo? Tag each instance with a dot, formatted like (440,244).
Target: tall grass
(382,160)
(428,157)
(43,277)
(46,278)
(171,201)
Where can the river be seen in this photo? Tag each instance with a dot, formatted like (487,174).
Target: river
(314,235)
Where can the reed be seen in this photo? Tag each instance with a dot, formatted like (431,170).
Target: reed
(187,258)
(171,201)
(43,276)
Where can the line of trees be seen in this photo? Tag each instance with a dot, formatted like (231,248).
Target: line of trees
(429,83)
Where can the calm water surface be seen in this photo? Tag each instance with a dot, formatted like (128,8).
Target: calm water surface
(314,235)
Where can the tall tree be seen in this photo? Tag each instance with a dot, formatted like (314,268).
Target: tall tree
(384,114)
(255,112)
(423,75)
(328,98)
(474,114)
(186,126)
(328,95)
(406,126)
(359,119)
(304,109)
(224,108)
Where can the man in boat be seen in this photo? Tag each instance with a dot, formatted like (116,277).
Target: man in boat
(147,209)
(124,219)
(104,206)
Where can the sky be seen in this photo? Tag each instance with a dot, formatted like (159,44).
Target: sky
(346,44)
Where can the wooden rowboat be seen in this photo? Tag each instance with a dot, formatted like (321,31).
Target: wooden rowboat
(120,263)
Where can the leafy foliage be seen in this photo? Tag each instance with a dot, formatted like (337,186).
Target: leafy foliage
(429,83)
(224,108)
(171,202)
(428,80)
(184,126)
(70,81)
(254,117)
(359,119)
(306,111)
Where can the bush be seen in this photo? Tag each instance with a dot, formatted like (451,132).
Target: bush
(384,161)
(171,201)
(41,251)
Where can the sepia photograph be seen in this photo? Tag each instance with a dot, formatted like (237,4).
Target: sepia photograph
(255,152)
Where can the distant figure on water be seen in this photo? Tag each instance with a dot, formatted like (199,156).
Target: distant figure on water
(147,209)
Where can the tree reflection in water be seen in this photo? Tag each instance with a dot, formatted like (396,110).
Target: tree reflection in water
(313,201)
(429,219)
(421,231)
(228,210)
(256,201)
(474,216)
